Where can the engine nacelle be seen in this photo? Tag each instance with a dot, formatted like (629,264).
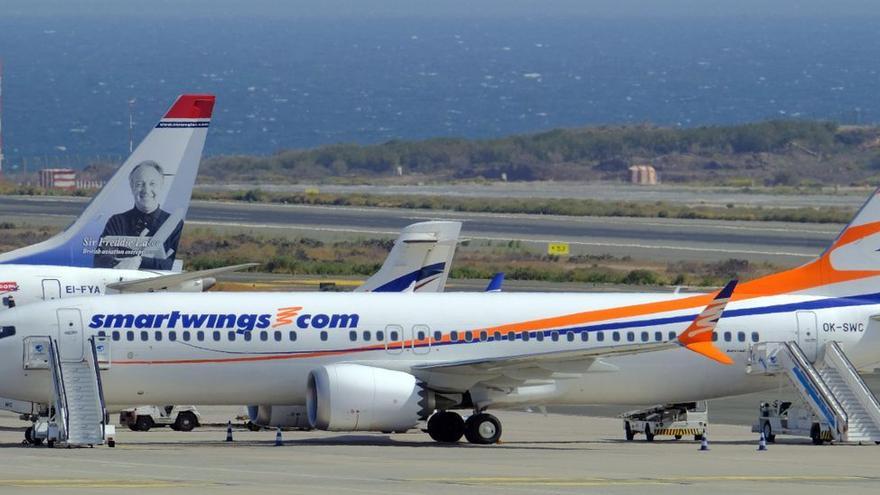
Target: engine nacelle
(353,397)
(279,416)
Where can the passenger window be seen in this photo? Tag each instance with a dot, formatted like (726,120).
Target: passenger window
(420,335)
(671,335)
(367,336)
(145,336)
(101,333)
(484,336)
(158,336)
(200,336)
(644,336)
(658,336)
(231,336)
(497,335)
(380,335)
(324,336)
(511,336)
(727,336)
(755,337)
(277,335)
(438,336)
(570,336)
(741,336)
(600,336)
(115,336)
(539,336)
(526,336)
(585,336)
(292,336)
(216,336)
(714,336)
(554,336)
(630,336)
(186,335)
(352,335)
(172,335)
(264,336)
(453,336)
(247,336)
(129,335)
(615,336)
(394,336)
(468,336)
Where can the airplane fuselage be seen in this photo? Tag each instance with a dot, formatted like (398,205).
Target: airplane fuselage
(259,348)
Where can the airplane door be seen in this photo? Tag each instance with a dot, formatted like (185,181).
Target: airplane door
(807,334)
(70,334)
(51,289)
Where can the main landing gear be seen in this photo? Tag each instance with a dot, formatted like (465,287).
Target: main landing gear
(480,428)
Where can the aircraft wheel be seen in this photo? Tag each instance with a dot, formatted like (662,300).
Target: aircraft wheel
(649,436)
(446,427)
(30,438)
(482,429)
(816,434)
(253,426)
(678,437)
(628,431)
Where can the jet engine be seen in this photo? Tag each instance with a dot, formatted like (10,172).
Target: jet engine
(279,416)
(353,397)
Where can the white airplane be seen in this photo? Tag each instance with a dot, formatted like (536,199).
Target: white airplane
(127,238)
(383,362)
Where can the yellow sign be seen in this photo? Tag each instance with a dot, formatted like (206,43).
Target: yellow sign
(557,248)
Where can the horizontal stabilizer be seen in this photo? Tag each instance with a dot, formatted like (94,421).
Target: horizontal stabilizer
(169,282)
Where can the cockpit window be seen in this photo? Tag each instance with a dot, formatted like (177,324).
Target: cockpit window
(7,332)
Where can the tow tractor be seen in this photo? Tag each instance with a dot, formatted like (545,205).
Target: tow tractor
(676,420)
(179,418)
(780,418)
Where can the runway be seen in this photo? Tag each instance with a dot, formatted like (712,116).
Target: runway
(641,238)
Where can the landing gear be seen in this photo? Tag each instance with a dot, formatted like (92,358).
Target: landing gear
(483,429)
(446,427)
(30,438)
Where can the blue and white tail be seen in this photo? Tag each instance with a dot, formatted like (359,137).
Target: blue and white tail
(136,219)
(419,261)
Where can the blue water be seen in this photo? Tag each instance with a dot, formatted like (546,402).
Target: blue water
(297,83)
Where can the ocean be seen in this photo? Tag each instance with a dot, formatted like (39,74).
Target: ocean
(304,83)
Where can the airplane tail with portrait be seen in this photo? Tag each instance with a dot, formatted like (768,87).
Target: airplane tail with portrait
(149,195)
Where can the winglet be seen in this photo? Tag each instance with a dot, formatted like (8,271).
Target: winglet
(698,336)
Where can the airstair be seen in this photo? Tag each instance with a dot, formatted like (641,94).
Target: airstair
(77,416)
(844,408)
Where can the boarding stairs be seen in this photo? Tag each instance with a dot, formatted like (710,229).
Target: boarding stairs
(844,408)
(78,399)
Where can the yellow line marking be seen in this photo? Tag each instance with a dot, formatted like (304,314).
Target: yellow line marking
(95,483)
(510,481)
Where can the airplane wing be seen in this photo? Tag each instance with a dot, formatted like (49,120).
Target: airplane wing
(571,363)
(163,282)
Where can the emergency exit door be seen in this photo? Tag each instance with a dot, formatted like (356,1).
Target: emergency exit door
(807,334)
(51,289)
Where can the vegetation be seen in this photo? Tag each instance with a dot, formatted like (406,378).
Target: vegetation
(785,152)
(538,206)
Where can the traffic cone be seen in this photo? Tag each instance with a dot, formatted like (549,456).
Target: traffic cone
(278,442)
(704,445)
(762,443)
(229,431)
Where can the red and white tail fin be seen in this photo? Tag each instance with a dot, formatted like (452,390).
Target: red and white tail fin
(136,218)
(698,336)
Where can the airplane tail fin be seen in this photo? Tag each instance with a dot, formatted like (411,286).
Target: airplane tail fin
(419,261)
(849,266)
(135,220)
(698,336)
(496,283)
